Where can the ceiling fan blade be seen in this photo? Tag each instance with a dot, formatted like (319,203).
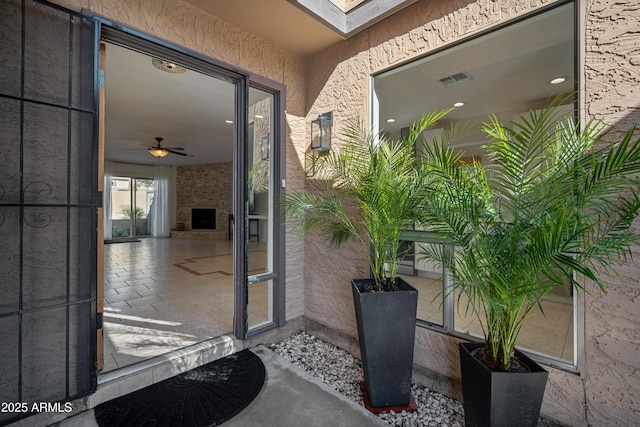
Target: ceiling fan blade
(174,148)
(175,152)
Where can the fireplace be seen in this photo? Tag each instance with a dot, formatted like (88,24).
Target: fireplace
(203,219)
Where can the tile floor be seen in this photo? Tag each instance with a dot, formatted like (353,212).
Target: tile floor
(164,294)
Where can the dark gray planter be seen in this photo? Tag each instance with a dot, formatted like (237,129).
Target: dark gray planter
(500,398)
(386,332)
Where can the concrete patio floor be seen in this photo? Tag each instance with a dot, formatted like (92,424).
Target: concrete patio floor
(290,397)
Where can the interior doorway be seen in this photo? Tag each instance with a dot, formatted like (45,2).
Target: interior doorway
(168,262)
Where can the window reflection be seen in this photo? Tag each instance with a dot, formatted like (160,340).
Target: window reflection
(506,72)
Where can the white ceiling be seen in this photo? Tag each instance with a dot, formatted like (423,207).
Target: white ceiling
(510,70)
(187,110)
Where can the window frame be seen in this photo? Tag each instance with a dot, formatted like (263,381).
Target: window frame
(449,303)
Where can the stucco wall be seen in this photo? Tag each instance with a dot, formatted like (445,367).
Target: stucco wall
(607,391)
(611,370)
(184,25)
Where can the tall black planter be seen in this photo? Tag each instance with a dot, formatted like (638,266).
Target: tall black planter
(500,398)
(386,331)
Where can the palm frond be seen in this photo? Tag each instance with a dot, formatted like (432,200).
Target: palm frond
(382,180)
(555,205)
(309,211)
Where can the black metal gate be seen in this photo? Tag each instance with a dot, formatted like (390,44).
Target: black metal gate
(48,205)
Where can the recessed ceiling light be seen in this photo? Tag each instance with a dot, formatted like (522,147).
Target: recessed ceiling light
(558,80)
(391,120)
(458,104)
(229,121)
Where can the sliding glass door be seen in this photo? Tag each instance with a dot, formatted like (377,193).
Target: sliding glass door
(131,202)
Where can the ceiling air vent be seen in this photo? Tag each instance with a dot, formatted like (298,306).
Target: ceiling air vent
(457,78)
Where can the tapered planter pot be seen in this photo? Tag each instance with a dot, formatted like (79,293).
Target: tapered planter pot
(386,332)
(500,398)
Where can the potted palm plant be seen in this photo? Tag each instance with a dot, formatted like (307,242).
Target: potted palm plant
(380,181)
(553,207)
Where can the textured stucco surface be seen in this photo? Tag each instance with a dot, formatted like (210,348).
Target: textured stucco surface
(612,326)
(607,389)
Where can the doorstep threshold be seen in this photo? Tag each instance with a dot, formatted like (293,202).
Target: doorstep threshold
(130,378)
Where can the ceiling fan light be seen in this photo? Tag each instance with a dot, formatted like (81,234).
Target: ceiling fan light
(158,152)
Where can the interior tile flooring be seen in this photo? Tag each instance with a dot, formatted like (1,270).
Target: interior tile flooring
(164,294)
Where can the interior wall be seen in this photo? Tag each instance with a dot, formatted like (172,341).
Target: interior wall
(132,170)
(604,393)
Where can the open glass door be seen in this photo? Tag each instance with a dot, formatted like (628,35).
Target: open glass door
(260,209)
(262,230)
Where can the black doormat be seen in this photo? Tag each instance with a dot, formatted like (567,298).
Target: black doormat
(121,240)
(205,396)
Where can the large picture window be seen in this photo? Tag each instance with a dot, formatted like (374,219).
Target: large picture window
(507,72)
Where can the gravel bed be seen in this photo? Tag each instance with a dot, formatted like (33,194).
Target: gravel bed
(343,372)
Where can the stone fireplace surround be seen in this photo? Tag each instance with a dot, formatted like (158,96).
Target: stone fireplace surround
(208,186)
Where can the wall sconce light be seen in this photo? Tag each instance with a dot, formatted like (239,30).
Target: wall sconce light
(321,132)
(264,147)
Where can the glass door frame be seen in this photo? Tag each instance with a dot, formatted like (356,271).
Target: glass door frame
(132,205)
(242,80)
(278,170)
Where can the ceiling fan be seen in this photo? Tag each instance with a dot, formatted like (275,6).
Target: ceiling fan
(160,151)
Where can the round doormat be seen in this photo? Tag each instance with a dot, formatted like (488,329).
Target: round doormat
(205,396)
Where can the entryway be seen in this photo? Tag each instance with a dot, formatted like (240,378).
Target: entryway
(177,270)
(57,137)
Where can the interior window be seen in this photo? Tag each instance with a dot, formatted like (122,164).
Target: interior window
(506,72)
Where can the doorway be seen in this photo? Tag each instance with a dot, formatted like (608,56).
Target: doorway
(188,283)
(174,286)
(53,99)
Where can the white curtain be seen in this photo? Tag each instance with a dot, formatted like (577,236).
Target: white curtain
(160,226)
(106,202)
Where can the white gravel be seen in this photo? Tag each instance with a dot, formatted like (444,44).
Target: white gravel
(340,370)
(343,372)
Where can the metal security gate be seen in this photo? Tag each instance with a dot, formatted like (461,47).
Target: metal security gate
(48,203)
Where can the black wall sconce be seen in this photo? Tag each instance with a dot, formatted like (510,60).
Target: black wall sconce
(321,132)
